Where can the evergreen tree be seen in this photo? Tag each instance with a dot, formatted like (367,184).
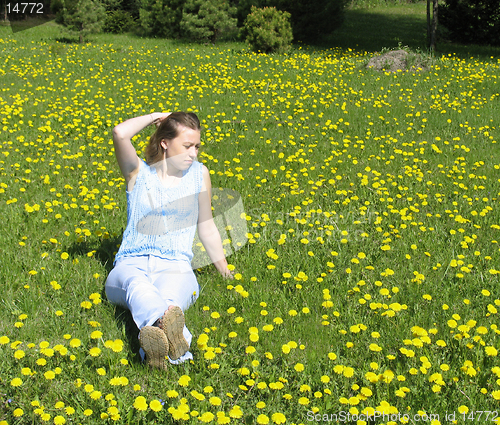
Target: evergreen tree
(243,8)
(471,21)
(161,18)
(208,19)
(111,5)
(131,6)
(82,17)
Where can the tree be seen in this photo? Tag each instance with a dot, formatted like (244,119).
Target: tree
(82,17)
(111,5)
(243,8)
(432,24)
(471,21)
(207,19)
(132,6)
(161,18)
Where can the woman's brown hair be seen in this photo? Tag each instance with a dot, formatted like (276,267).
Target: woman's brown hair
(169,130)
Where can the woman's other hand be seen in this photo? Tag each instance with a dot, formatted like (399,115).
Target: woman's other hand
(228,274)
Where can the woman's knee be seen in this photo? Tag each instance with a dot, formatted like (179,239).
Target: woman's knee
(121,282)
(184,294)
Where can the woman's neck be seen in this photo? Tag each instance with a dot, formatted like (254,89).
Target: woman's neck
(166,171)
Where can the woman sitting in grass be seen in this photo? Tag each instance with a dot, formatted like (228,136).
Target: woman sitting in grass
(168,195)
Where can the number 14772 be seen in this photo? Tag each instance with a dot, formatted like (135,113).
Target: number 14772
(24,8)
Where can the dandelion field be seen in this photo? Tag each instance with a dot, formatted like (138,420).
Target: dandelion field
(369,281)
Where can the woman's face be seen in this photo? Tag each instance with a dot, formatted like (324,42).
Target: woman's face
(183,150)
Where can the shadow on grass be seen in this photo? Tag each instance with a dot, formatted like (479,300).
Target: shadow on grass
(129,331)
(105,254)
(368,30)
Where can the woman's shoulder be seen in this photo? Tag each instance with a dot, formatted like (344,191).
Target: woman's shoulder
(205,177)
(205,173)
(199,168)
(203,168)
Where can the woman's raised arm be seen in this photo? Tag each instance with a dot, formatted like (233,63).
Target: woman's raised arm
(125,153)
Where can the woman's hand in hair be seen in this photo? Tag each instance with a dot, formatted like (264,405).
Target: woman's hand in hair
(158,117)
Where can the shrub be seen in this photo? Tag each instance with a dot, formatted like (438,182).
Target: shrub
(161,18)
(208,19)
(471,21)
(268,30)
(118,21)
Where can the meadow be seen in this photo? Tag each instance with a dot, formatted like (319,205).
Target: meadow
(368,283)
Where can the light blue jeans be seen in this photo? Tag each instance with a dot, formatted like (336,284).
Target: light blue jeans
(147,285)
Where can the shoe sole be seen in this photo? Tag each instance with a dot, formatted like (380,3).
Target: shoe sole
(155,344)
(173,325)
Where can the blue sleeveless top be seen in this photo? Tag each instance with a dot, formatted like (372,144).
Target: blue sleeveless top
(162,221)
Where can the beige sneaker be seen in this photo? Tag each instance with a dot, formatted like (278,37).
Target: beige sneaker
(155,344)
(172,324)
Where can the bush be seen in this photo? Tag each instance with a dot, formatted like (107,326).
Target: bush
(118,21)
(268,30)
(471,21)
(161,18)
(208,19)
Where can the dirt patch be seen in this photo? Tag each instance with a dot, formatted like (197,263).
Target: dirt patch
(398,60)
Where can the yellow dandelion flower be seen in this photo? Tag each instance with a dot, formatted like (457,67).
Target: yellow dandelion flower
(215,401)
(206,417)
(236,412)
(16,382)
(184,380)
(304,401)
(155,405)
(140,403)
(75,343)
(491,351)
(278,418)
(95,351)
(49,375)
(262,420)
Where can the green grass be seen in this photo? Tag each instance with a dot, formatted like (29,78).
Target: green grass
(385,185)
(372,29)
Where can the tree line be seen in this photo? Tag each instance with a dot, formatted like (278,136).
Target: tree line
(464,21)
(209,20)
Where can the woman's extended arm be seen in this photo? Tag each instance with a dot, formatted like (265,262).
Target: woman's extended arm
(125,152)
(207,230)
